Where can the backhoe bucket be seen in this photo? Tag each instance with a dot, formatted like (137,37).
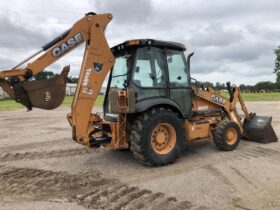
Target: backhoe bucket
(44,94)
(259,129)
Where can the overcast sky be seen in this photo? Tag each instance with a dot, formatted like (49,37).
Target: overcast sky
(233,40)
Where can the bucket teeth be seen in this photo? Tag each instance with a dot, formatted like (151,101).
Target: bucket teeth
(259,129)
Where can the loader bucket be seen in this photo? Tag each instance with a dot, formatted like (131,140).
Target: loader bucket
(259,129)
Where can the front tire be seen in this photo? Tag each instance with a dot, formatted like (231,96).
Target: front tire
(227,135)
(157,137)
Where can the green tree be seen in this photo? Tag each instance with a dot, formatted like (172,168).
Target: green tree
(220,86)
(267,86)
(72,79)
(277,64)
(278,77)
(242,87)
(44,75)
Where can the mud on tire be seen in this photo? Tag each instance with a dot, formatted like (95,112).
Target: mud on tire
(142,136)
(222,139)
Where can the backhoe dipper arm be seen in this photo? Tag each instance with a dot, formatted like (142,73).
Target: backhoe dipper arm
(60,46)
(97,62)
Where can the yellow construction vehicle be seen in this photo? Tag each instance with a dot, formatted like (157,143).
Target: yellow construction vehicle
(150,106)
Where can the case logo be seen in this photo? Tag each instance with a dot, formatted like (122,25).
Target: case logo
(218,99)
(65,46)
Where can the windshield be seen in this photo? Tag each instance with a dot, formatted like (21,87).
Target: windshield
(120,70)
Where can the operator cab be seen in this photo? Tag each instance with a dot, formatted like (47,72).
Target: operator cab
(156,70)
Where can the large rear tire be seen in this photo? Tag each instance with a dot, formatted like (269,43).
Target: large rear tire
(227,135)
(157,137)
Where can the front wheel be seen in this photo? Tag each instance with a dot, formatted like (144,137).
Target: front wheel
(227,135)
(157,137)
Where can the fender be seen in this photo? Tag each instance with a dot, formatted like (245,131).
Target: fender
(143,105)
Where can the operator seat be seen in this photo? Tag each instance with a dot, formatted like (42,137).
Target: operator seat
(114,117)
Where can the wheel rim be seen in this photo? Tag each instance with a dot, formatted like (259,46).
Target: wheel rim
(163,138)
(231,136)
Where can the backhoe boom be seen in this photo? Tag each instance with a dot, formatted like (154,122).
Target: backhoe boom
(97,61)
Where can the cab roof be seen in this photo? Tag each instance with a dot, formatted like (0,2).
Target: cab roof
(136,43)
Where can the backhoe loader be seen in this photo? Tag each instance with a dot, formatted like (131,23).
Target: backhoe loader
(150,106)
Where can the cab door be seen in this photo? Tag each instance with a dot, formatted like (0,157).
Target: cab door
(179,82)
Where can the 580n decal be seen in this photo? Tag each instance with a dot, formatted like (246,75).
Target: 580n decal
(86,89)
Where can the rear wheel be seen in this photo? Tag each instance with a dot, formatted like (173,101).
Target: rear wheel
(157,137)
(227,135)
(163,138)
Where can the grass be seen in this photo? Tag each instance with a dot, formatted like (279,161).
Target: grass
(68,101)
(9,105)
(259,96)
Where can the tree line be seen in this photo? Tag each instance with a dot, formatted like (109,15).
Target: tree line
(259,87)
(49,74)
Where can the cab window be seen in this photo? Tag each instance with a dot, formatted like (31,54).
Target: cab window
(177,69)
(149,68)
(120,71)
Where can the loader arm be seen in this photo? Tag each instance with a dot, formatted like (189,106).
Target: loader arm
(228,105)
(252,127)
(97,62)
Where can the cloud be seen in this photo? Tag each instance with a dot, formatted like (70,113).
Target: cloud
(232,40)
(6,62)
(264,32)
(126,11)
(230,10)
(243,51)
(215,35)
(16,36)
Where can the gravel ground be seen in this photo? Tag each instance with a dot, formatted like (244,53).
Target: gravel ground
(42,168)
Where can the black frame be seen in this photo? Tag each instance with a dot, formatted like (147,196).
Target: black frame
(176,87)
